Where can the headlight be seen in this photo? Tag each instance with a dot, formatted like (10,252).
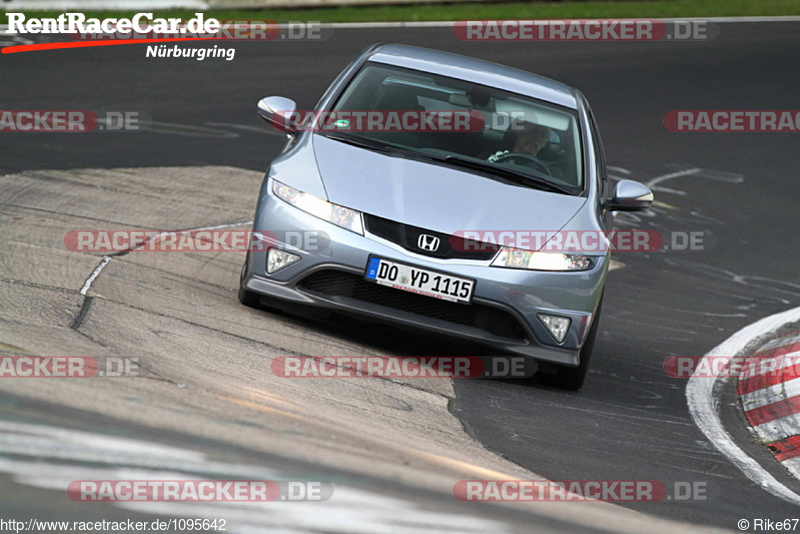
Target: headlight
(516,258)
(333,213)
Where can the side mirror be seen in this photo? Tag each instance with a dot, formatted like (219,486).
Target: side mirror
(274,110)
(630,196)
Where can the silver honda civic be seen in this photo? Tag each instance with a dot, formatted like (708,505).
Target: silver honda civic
(425,189)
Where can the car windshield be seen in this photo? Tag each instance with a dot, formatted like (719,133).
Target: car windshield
(536,143)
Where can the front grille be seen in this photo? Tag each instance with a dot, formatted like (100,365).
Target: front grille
(333,283)
(450,246)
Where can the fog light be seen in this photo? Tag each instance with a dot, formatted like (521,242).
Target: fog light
(277,259)
(557,326)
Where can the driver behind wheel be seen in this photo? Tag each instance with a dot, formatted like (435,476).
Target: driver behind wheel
(531,140)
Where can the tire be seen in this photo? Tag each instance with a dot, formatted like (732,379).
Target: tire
(248,298)
(573,377)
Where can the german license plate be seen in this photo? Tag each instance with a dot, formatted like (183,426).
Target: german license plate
(420,281)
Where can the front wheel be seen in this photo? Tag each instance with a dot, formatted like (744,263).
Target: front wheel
(248,298)
(573,377)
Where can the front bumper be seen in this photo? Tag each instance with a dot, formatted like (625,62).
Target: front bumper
(504,307)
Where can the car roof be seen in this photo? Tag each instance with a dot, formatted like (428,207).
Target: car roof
(475,70)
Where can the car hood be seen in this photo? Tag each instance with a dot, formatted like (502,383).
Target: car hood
(434,197)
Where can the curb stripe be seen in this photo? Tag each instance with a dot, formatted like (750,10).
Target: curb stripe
(779,354)
(788,455)
(769,390)
(782,341)
(759,372)
(793,465)
(771,394)
(769,351)
(774,411)
(757,383)
(779,429)
(774,352)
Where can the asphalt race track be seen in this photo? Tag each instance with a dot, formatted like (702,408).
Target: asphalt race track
(200,164)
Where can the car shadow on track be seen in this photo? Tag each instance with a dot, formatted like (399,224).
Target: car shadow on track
(402,342)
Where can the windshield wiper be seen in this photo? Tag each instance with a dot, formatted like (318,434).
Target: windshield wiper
(515,176)
(362,142)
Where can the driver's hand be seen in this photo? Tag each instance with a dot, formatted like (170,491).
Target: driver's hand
(497,155)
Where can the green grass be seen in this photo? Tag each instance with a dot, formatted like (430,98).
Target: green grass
(568,9)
